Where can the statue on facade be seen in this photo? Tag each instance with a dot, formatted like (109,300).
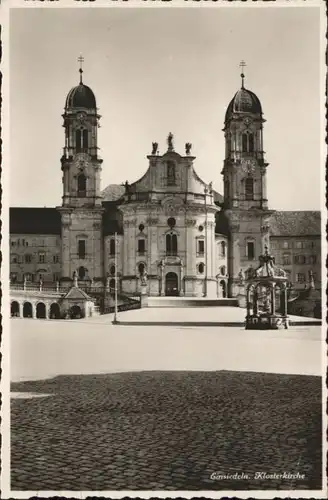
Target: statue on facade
(170,142)
(155,148)
(210,187)
(241,277)
(143,278)
(75,278)
(188,148)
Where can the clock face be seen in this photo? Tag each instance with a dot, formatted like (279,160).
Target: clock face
(81,160)
(81,116)
(248,166)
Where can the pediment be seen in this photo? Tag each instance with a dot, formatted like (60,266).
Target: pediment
(76,293)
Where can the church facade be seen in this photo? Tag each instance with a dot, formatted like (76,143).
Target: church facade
(169,227)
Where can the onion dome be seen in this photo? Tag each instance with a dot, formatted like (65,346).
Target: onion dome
(244,101)
(81,96)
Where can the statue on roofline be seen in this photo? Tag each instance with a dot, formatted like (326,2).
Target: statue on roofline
(188,148)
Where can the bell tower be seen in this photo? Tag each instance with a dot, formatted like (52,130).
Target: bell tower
(81,209)
(244,175)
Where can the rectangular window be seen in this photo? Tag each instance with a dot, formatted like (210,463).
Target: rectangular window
(56,276)
(141,247)
(299,244)
(312,259)
(250,250)
(285,244)
(81,249)
(42,258)
(300,277)
(286,259)
(201,247)
(14,259)
(299,259)
(28,259)
(56,259)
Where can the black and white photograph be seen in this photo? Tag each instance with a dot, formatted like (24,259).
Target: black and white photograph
(163,239)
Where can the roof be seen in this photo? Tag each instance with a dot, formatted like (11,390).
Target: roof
(81,96)
(217,197)
(295,223)
(37,220)
(244,101)
(112,218)
(113,192)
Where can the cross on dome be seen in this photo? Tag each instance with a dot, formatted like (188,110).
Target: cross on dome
(242,66)
(81,61)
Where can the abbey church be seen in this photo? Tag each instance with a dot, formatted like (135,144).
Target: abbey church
(169,228)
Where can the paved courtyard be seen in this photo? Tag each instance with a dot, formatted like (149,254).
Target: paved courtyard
(163,408)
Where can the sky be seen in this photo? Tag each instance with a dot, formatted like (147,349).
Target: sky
(161,70)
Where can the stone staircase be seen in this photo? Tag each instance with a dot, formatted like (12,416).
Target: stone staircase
(190,302)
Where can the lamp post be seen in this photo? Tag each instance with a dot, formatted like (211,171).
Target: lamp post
(115,321)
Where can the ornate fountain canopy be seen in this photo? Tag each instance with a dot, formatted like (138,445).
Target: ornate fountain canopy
(267,269)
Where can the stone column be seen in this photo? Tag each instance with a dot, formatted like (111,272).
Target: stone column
(33,310)
(125,258)
(248,300)
(233,259)
(181,293)
(273,298)
(65,250)
(265,236)
(263,186)
(162,280)
(47,310)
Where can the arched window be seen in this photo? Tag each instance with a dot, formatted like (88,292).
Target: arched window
(112,270)
(223,270)
(81,185)
(85,139)
(174,244)
(141,246)
(201,268)
(244,143)
(249,188)
(170,173)
(82,273)
(223,248)
(141,268)
(171,244)
(78,140)
(251,143)
(226,189)
(112,247)
(247,142)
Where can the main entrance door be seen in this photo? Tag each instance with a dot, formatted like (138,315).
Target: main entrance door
(171,284)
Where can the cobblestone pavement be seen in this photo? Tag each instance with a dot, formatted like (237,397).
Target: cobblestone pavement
(166,431)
